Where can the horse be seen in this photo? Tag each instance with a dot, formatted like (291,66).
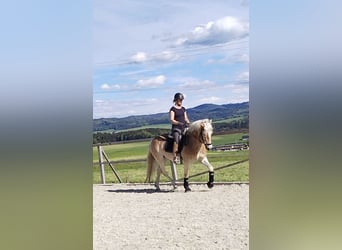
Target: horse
(197,143)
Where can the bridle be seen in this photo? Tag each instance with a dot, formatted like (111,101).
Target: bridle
(203,140)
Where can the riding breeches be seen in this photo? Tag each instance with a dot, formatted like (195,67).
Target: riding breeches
(176,136)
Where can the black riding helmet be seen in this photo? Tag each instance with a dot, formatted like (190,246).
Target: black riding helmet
(178,96)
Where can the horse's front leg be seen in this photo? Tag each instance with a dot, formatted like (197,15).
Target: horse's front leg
(186,176)
(205,162)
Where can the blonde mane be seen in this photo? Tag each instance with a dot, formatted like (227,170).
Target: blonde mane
(196,125)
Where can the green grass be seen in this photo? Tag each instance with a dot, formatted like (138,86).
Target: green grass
(227,139)
(230,119)
(135,172)
(160,126)
(126,151)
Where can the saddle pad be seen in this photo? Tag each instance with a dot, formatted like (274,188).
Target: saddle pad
(169,144)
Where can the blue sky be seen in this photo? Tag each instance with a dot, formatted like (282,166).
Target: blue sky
(146,51)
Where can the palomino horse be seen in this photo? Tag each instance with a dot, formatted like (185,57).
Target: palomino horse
(198,142)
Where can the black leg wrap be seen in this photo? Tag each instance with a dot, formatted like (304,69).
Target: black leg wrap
(211,180)
(186,184)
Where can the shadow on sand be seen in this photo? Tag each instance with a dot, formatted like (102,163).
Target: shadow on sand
(145,190)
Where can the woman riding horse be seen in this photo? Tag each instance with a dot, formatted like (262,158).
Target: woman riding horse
(179,120)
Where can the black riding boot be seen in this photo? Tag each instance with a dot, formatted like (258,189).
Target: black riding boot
(186,184)
(211,180)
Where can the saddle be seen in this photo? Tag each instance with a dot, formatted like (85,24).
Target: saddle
(169,142)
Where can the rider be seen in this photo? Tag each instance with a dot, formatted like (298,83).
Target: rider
(179,120)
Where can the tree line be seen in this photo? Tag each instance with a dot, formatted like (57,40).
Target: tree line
(105,137)
(220,128)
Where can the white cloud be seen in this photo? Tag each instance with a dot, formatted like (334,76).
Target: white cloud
(244,58)
(135,72)
(106,86)
(241,90)
(220,31)
(121,23)
(193,83)
(243,77)
(139,57)
(164,56)
(230,58)
(211,99)
(237,88)
(151,82)
(124,108)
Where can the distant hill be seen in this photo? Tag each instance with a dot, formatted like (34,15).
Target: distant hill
(211,111)
(218,112)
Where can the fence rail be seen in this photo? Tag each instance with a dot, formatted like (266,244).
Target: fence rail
(231,147)
(173,166)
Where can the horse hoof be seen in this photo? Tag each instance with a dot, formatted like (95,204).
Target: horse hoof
(210,184)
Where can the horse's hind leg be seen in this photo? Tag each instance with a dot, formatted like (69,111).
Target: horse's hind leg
(156,184)
(161,170)
(164,172)
(158,179)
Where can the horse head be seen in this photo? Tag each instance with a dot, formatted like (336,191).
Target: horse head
(206,132)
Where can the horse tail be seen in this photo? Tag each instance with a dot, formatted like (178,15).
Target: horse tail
(150,168)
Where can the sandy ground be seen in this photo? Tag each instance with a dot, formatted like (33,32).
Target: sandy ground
(128,216)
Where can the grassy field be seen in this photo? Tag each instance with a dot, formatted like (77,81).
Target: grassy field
(161,126)
(230,119)
(135,172)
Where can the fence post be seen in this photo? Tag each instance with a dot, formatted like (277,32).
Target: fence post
(101,163)
(111,166)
